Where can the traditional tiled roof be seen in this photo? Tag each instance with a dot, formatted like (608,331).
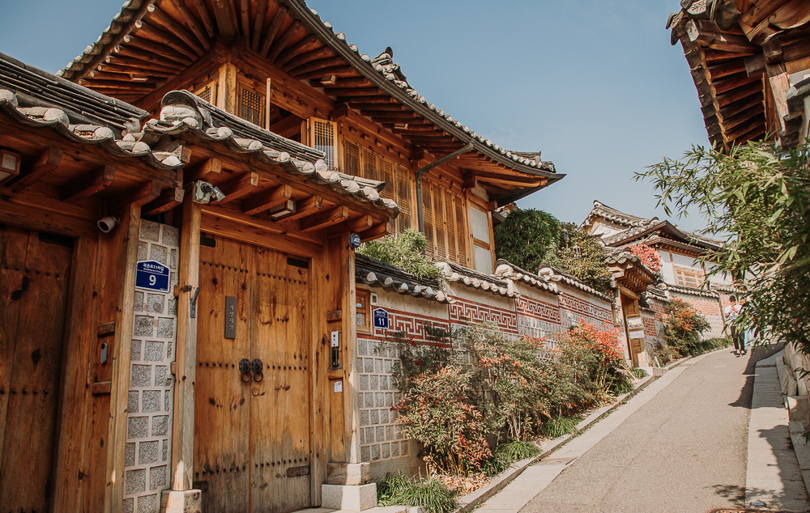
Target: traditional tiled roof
(375,273)
(554,274)
(657,291)
(692,291)
(621,257)
(34,98)
(121,37)
(512,272)
(611,214)
(455,273)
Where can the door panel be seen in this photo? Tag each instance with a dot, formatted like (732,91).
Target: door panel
(31,383)
(222,409)
(265,428)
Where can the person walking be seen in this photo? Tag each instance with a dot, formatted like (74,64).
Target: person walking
(731,312)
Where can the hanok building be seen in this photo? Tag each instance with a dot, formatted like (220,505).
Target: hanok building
(178,283)
(682,274)
(750,61)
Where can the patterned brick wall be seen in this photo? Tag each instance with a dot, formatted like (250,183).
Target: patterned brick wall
(148,447)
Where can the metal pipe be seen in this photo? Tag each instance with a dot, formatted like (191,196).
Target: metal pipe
(421,172)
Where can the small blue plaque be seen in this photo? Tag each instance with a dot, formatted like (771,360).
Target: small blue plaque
(151,275)
(380,318)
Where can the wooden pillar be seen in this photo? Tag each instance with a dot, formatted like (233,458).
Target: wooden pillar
(71,481)
(351,374)
(126,239)
(186,355)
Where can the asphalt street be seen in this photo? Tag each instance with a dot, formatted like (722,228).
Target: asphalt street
(684,450)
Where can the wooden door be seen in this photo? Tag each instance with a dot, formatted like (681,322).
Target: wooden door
(34,277)
(252,445)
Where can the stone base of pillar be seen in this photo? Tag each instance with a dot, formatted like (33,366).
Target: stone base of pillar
(351,498)
(348,473)
(187,501)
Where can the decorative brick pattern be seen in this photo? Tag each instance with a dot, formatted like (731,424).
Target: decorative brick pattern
(464,311)
(151,387)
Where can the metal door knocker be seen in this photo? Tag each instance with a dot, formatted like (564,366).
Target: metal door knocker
(258,367)
(244,368)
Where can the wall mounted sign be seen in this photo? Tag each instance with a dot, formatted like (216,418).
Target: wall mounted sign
(635,327)
(380,318)
(338,386)
(230,317)
(151,275)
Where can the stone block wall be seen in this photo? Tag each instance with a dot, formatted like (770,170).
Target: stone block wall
(148,447)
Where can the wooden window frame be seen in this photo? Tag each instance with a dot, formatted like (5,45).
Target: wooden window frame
(213,85)
(475,242)
(682,272)
(363,306)
(249,85)
(310,124)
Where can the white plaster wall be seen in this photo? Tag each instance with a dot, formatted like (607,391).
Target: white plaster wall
(667,271)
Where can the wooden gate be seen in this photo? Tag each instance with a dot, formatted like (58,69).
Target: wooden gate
(252,436)
(34,278)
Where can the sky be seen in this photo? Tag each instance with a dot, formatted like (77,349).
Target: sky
(593,84)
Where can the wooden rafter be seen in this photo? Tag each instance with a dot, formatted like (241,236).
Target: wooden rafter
(258,25)
(305,208)
(174,27)
(225,17)
(167,200)
(272,30)
(296,49)
(267,199)
(98,181)
(205,16)
(239,186)
(42,166)
(140,195)
(325,219)
(205,170)
(284,40)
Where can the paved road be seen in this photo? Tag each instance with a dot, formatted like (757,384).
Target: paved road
(683,450)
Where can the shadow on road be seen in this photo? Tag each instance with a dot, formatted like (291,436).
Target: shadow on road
(757,353)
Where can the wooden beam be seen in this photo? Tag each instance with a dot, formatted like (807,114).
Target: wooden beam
(380,230)
(296,49)
(403,115)
(188,282)
(226,22)
(174,27)
(244,14)
(194,25)
(258,25)
(300,63)
(98,181)
(42,166)
(340,71)
(259,232)
(167,200)
(138,196)
(305,208)
(287,124)
(325,219)
(239,186)
(284,40)
(360,224)
(208,169)
(272,30)
(351,92)
(156,40)
(205,16)
(267,200)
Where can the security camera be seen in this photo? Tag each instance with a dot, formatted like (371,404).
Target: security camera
(106,224)
(205,193)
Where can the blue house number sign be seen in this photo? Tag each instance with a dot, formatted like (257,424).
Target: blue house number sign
(380,318)
(151,275)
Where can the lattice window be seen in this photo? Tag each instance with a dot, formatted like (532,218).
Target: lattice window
(251,105)
(369,165)
(449,202)
(403,180)
(387,176)
(439,221)
(363,319)
(351,158)
(688,277)
(323,137)
(427,219)
(461,230)
(208,93)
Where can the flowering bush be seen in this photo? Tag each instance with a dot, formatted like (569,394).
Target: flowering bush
(648,256)
(438,411)
(683,327)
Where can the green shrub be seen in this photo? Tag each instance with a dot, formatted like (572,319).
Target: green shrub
(683,326)
(401,490)
(705,346)
(666,355)
(406,251)
(556,427)
(639,373)
(582,256)
(508,453)
(525,236)
(622,386)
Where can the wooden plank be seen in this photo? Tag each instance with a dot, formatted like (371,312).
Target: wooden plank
(207,170)
(237,226)
(98,181)
(258,25)
(127,235)
(284,40)
(205,16)
(138,196)
(325,219)
(42,166)
(305,208)
(226,20)
(75,401)
(169,199)
(378,231)
(780,84)
(272,30)
(267,199)
(32,217)
(30,421)
(239,186)
(360,224)
(188,279)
